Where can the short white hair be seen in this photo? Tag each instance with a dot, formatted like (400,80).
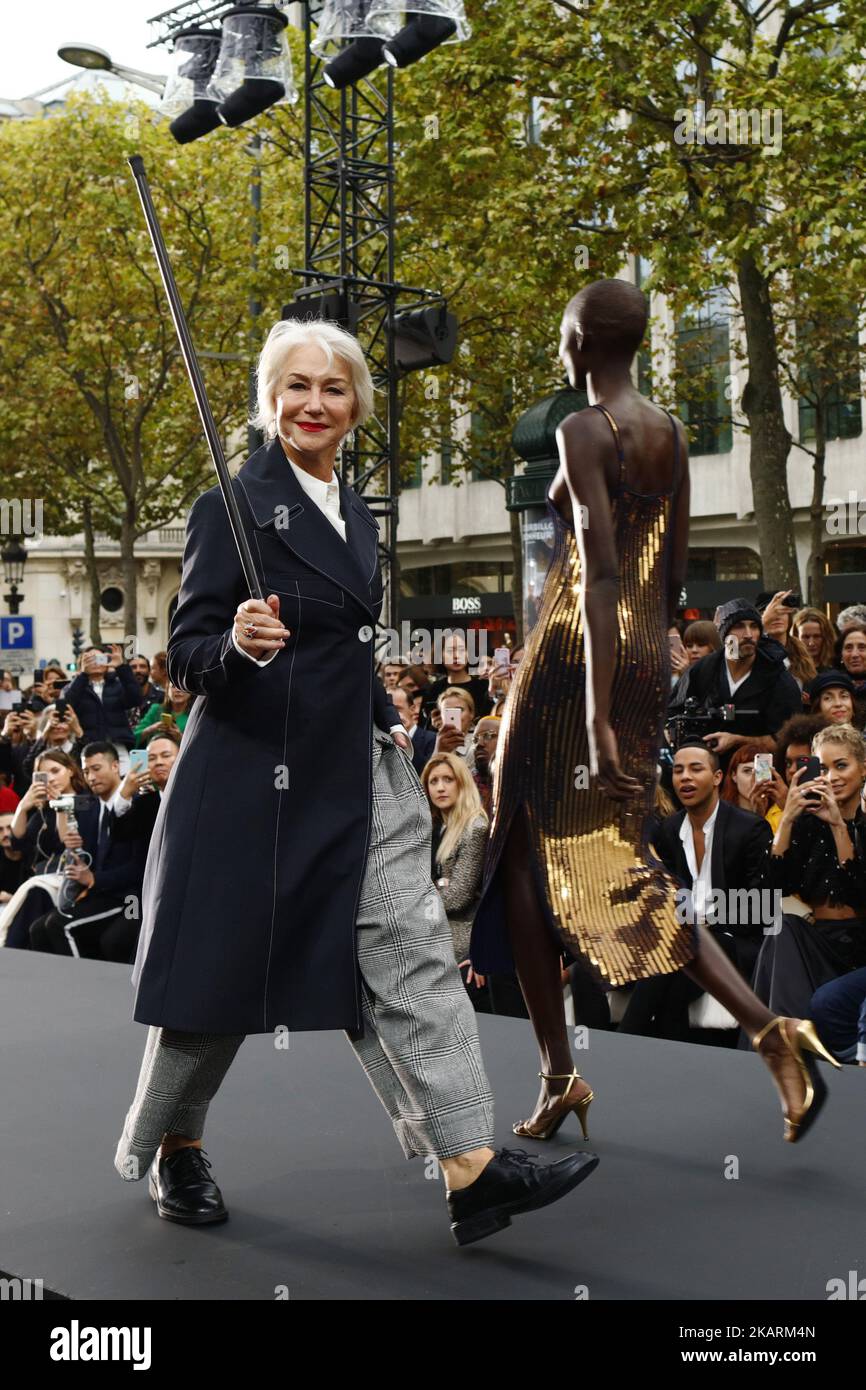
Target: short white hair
(334,342)
(855,614)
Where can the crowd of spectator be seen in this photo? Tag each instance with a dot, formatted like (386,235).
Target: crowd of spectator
(84,760)
(760,801)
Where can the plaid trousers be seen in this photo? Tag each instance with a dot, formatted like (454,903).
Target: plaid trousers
(420,1045)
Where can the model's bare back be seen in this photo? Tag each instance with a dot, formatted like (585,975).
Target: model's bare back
(647,444)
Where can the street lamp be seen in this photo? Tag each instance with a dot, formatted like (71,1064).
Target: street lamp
(88,55)
(14,558)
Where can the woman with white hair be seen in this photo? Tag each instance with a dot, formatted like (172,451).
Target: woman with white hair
(288,881)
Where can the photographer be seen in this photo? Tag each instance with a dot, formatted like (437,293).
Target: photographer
(777,614)
(101,916)
(172,713)
(101,694)
(454,734)
(57,729)
(817,853)
(17,740)
(34,835)
(749,673)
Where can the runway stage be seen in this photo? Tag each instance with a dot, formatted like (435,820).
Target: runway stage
(324,1206)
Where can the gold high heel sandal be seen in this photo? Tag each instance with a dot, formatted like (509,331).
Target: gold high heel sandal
(805,1040)
(580,1107)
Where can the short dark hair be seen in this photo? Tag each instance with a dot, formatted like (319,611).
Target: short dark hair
(161,731)
(91,750)
(715,761)
(800,728)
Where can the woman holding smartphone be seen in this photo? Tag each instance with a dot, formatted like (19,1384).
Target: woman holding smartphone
(34,834)
(818,854)
(175,711)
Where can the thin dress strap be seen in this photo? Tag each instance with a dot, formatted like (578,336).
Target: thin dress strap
(676,473)
(616,439)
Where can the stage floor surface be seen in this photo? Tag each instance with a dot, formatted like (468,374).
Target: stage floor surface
(696,1194)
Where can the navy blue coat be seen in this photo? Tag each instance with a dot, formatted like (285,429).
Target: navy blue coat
(260,845)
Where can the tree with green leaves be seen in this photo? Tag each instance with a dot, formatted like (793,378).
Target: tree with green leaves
(96,412)
(723,143)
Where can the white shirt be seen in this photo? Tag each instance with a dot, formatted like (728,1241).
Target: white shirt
(702,883)
(326,496)
(735,685)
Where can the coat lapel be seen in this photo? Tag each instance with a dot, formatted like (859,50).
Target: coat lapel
(280,506)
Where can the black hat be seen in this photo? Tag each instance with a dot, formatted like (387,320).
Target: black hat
(736,610)
(828,680)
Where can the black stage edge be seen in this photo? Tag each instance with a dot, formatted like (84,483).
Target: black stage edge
(324,1206)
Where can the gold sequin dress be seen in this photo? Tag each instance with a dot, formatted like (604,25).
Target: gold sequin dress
(606,895)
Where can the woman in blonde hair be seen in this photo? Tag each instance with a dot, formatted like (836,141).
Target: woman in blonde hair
(457,850)
(818,853)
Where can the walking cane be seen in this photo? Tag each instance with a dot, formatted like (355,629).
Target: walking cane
(136,164)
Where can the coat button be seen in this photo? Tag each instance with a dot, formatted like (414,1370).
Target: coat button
(365,633)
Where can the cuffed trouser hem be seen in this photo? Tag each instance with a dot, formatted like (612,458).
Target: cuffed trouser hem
(179,1077)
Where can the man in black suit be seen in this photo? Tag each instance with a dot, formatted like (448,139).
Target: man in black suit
(715,851)
(423,740)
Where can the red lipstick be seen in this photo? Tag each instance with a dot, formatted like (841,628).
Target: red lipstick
(313,428)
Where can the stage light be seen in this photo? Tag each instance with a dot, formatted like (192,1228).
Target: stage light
(345,24)
(324,301)
(185,97)
(424,338)
(358,60)
(254,67)
(428,23)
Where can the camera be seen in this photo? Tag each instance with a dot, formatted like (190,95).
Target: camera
(697,720)
(72,804)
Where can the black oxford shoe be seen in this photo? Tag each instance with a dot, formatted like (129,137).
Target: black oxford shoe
(183,1189)
(512,1183)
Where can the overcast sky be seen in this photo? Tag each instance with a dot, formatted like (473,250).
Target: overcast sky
(33,33)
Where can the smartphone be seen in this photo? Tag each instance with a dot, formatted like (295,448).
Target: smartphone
(40,779)
(813,770)
(138,760)
(100,658)
(502,656)
(61,706)
(454,717)
(763,767)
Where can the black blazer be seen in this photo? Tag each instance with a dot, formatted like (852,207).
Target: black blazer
(423,746)
(740,841)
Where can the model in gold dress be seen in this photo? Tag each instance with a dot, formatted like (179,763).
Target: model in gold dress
(568,862)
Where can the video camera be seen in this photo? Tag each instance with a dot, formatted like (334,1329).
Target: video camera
(71,804)
(697,720)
